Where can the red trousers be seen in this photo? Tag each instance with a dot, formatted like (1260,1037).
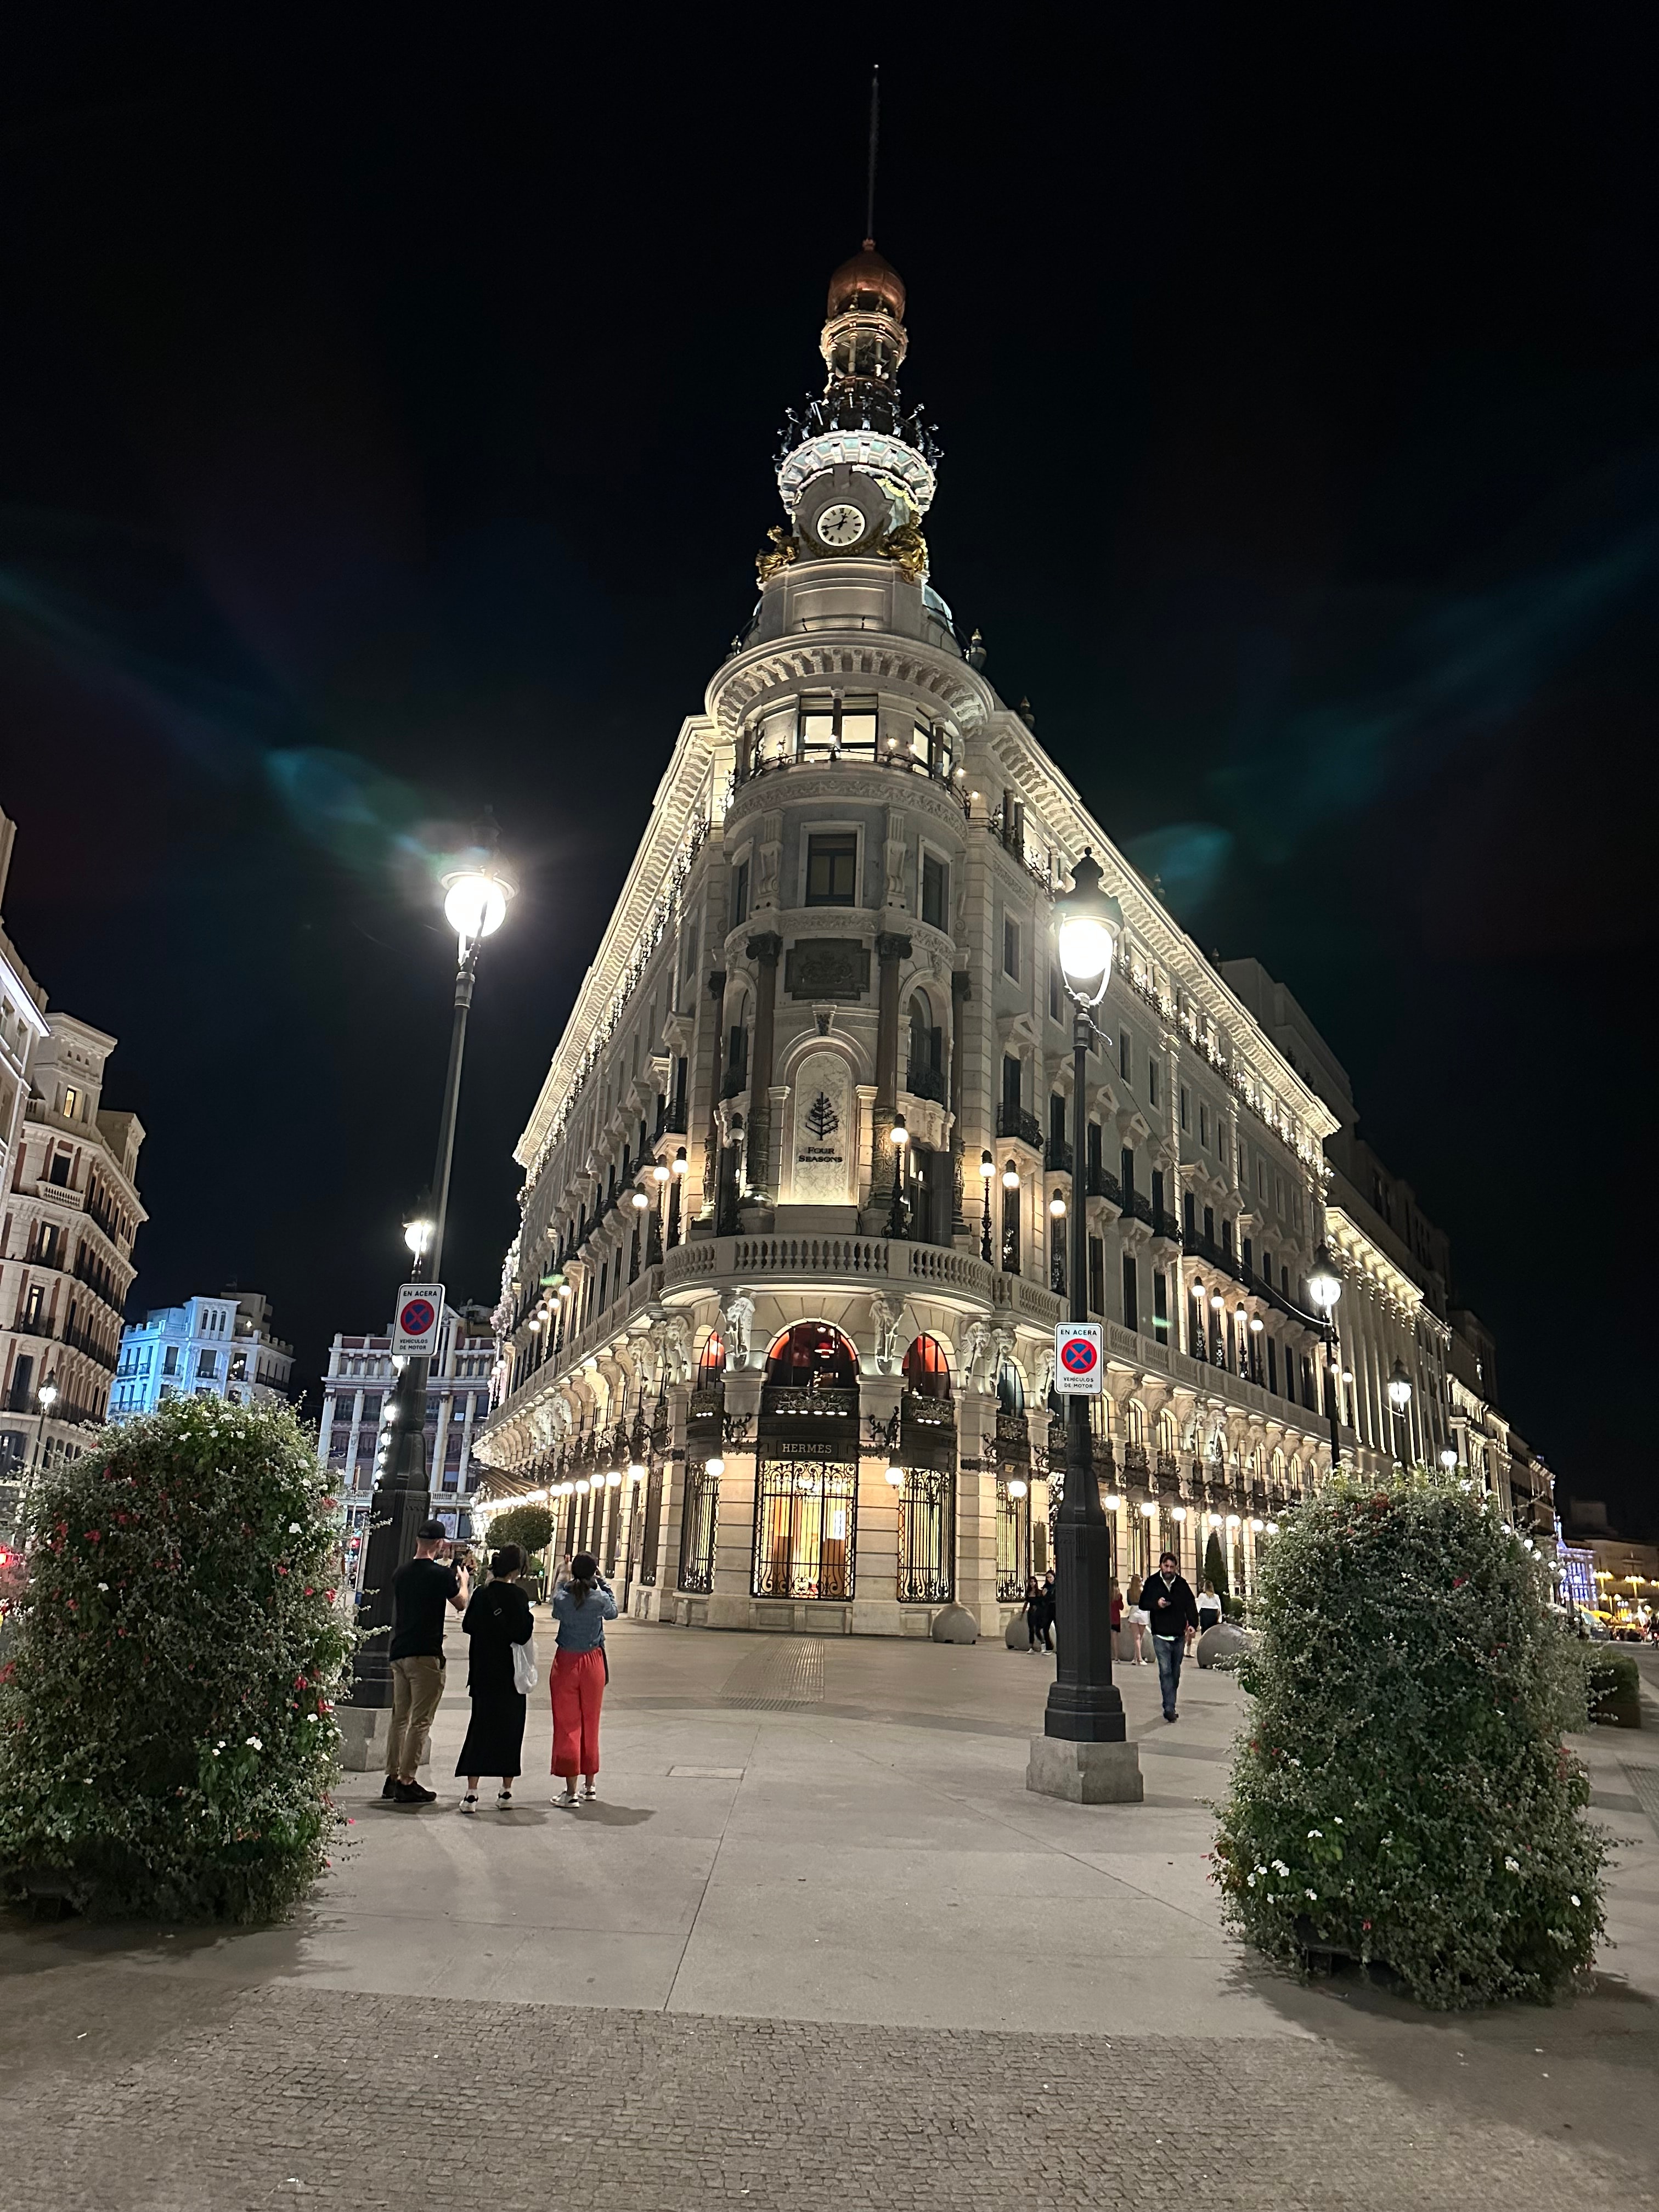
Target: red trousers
(578,1694)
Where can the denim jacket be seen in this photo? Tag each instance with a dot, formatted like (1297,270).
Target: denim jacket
(582,1627)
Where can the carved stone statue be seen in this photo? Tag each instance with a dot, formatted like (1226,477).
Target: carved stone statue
(884,1324)
(1045,1373)
(906,549)
(737,1312)
(971,1348)
(676,1347)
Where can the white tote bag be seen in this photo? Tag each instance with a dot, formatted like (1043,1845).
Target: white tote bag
(524,1677)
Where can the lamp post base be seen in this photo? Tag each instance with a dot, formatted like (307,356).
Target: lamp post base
(1085,1773)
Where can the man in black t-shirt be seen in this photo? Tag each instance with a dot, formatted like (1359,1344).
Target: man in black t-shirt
(420,1591)
(1168,1601)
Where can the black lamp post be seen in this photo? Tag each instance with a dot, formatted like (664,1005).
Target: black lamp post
(988,1168)
(1325,1288)
(1085,1706)
(899,1137)
(475,904)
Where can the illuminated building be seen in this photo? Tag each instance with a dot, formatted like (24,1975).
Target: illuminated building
(357,1397)
(216,1347)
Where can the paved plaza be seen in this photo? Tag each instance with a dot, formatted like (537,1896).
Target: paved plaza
(817,1947)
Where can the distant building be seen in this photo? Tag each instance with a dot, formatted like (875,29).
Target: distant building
(216,1347)
(355,1392)
(71,1212)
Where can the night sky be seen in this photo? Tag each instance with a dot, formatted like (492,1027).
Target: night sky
(386,408)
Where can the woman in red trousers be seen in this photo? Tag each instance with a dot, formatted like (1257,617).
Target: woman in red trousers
(581,1606)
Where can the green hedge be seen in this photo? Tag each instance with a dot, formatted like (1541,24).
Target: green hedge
(166,1744)
(1615,1690)
(1402,1795)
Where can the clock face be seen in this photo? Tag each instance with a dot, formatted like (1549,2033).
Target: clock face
(844,525)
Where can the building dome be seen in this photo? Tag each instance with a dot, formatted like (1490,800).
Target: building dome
(867,280)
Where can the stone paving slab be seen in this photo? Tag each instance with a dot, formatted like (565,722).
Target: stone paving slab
(315,2097)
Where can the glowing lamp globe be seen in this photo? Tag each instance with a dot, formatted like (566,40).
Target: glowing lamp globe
(1324,1283)
(475,900)
(1088,922)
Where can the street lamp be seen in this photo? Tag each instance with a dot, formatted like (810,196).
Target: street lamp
(988,1168)
(46,1397)
(1325,1288)
(899,1136)
(1400,1396)
(1085,1706)
(476,898)
(1449,1457)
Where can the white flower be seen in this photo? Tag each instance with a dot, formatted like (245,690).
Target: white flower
(293,1527)
(1513,1865)
(1249,1881)
(253,1742)
(1575,1900)
(1316,1834)
(1337,1819)
(103,1586)
(311,1716)
(1312,1895)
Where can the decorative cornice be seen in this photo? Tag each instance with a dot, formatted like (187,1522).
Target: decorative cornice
(749,678)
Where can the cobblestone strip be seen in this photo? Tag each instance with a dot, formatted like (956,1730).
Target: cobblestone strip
(347,2103)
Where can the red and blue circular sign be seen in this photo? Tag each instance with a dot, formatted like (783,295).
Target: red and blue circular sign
(1079,1355)
(417,1317)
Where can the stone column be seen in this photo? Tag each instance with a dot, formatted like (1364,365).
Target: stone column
(961,991)
(891,949)
(765,951)
(875,1610)
(730,1602)
(977,1511)
(712,1143)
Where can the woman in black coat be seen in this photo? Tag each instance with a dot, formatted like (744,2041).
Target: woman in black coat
(497,1617)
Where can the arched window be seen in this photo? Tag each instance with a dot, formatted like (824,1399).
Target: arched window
(711,1367)
(812,1352)
(1166,1437)
(1011,1391)
(927,1371)
(923,1066)
(1278,1469)
(1134,1420)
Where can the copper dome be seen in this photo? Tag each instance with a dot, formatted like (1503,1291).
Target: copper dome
(866,274)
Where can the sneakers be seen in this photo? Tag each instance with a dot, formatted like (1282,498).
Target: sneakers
(389,1790)
(570,1797)
(590,1795)
(410,1793)
(504,1798)
(470,1803)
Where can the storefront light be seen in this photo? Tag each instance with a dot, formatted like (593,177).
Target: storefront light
(1112,1501)
(896,1476)
(1016,1488)
(1147,1509)
(1010,1176)
(1233,1521)
(659,1173)
(614,1480)
(714,1464)
(1177,1513)
(1256,1524)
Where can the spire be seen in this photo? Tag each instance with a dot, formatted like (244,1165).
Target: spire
(875,132)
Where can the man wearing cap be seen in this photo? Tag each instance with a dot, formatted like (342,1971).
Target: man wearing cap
(420,1591)
(1168,1599)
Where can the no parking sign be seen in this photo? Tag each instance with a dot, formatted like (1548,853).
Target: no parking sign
(415,1324)
(1077,1348)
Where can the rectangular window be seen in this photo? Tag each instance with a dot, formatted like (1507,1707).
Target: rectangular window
(71,1105)
(1260,1177)
(1203,1123)
(1227,1238)
(1161,1305)
(1125,1057)
(207,1365)
(1056,1126)
(1151,1081)
(1011,1081)
(170,1361)
(1273,1367)
(1184,1121)
(59,1173)
(935,892)
(1096,1275)
(1131,1304)
(1157,1196)
(1010,947)
(832,870)
(740,894)
(32,1306)
(1096,1162)
(1054,993)
(1188,1214)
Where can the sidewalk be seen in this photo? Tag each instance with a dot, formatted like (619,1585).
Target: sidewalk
(817,1946)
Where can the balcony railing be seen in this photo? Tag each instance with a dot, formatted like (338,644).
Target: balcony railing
(926,1083)
(1102,1183)
(1057,1156)
(1015,1122)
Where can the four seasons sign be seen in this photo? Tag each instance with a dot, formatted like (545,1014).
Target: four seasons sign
(824,1128)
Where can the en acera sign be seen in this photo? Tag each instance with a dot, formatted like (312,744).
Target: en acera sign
(1078,1346)
(414,1326)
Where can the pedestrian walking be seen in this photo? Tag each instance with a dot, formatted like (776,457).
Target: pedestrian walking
(496,1623)
(1049,1602)
(1209,1607)
(1136,1613)
(1117,1621)
(581,1606)
(1167,1598)
(1033,1613)
(419,1590)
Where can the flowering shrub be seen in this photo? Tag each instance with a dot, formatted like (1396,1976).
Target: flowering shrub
(1402,1795)
(166,1739)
